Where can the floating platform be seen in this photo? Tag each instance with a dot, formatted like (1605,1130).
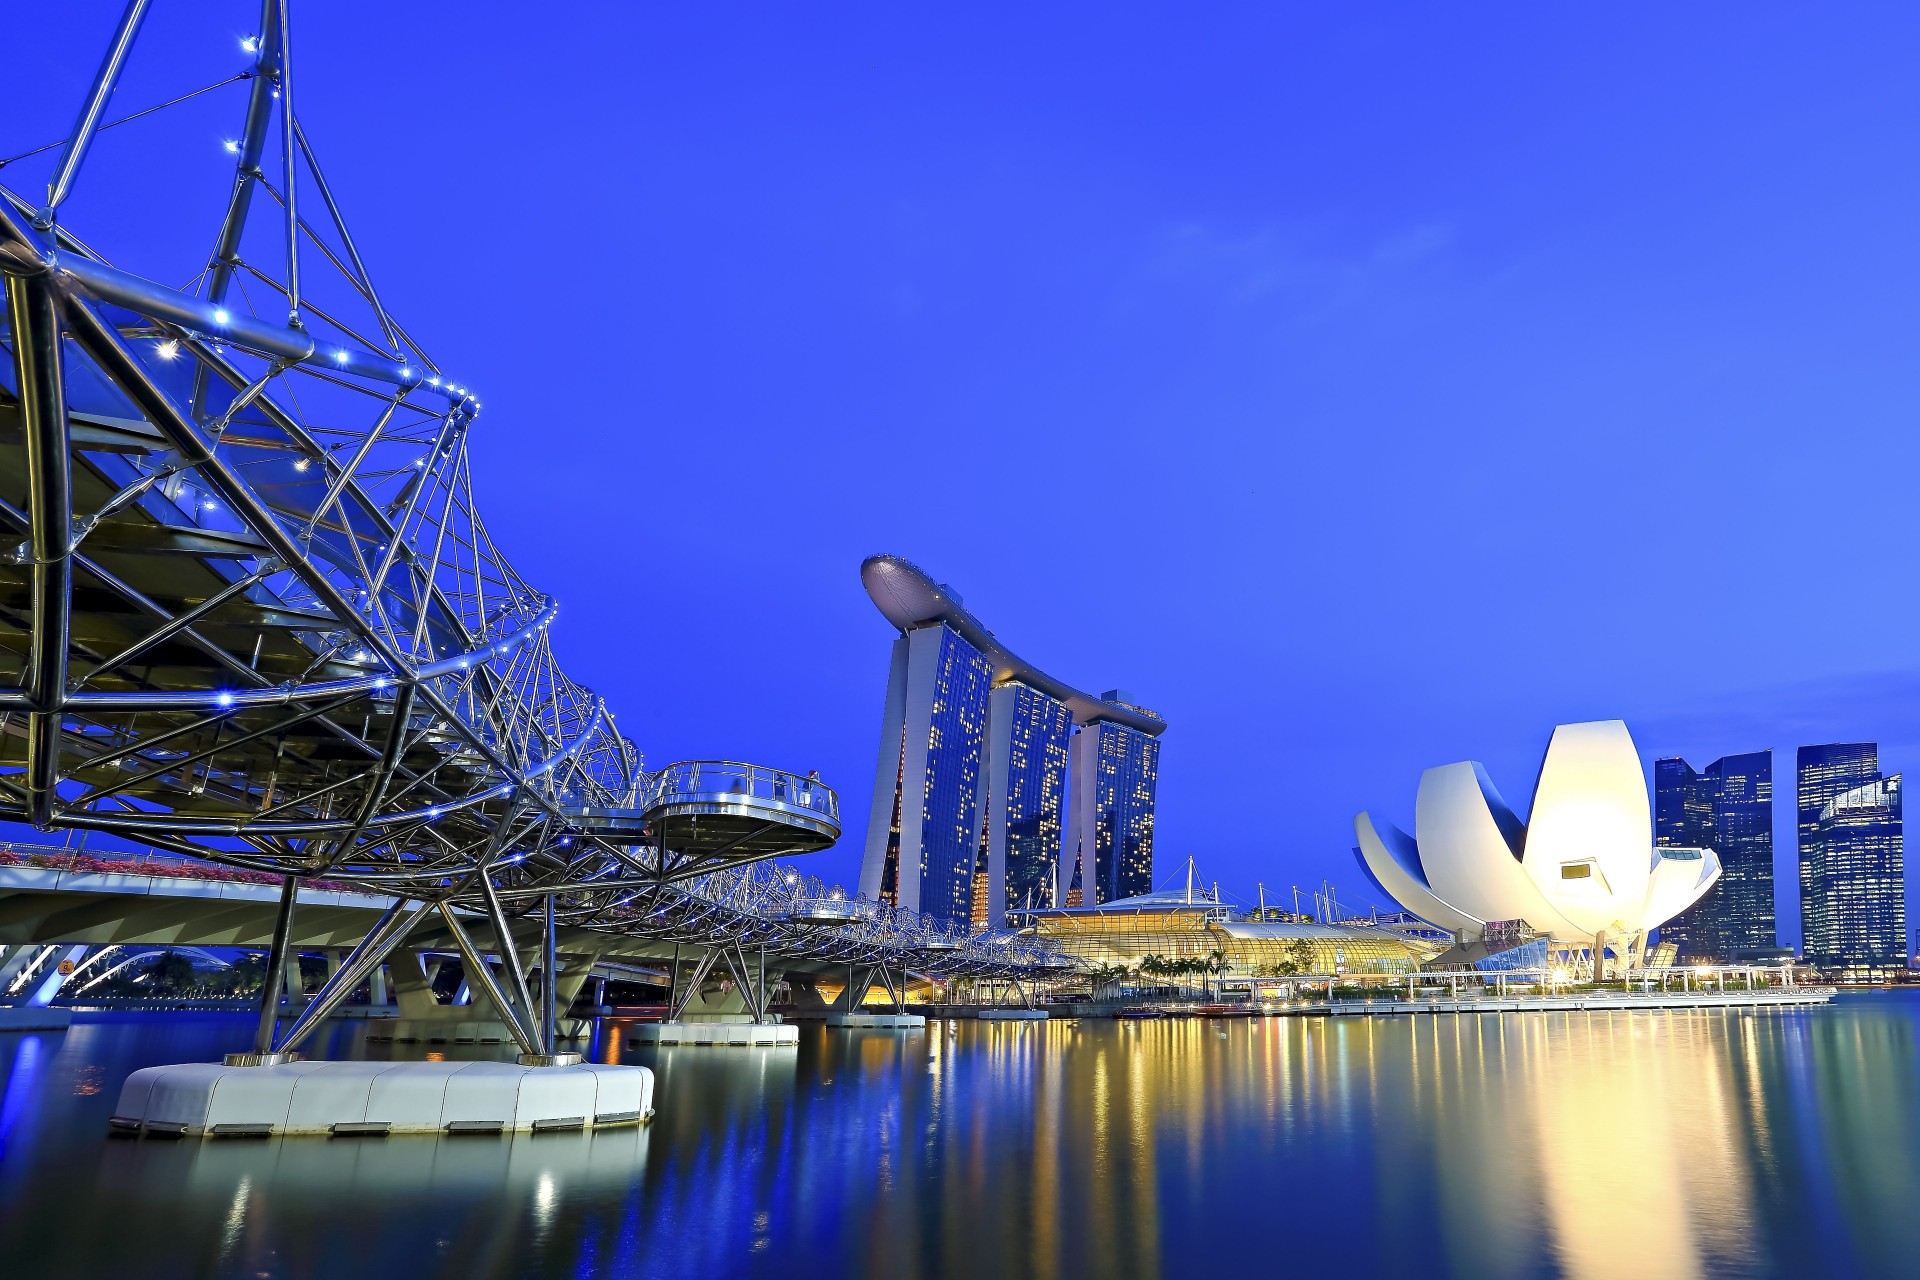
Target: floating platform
(202,1099)
(30,1018)
(718,1034)
(877,1021)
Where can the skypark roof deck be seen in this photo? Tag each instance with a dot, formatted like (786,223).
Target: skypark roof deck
(909,599)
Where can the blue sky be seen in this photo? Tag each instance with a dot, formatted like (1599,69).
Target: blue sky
(1362,387)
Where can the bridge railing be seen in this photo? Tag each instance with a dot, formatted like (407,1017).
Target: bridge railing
(731,777)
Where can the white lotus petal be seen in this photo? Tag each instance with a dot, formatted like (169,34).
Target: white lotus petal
(1391,860)
(1680,878)
(1469,843)
(1591,827)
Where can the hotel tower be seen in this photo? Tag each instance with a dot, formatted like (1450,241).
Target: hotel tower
(998,788)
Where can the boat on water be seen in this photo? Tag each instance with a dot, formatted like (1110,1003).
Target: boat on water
(1142,1011)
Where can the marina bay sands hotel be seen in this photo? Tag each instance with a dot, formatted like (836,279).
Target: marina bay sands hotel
(998,787)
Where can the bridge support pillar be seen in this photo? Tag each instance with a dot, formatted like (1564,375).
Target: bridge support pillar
(34,311)
(50,983)
(276,975)
(18,958)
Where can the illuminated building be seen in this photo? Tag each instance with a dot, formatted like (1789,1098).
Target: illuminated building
(1726,807)
(1191,925)
(971,787)
(925,817)
(1582,870)
(1028,745)
(1115,772)
(1853,908)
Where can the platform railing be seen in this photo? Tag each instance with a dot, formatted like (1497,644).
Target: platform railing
(689,778)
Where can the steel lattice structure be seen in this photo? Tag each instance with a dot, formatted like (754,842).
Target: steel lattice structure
(259,617)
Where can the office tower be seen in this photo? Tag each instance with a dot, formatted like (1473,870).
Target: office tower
(1116,769)
(1821,773)
(924,824)
(1026,767)
(972,783)
(1726,807)
(1852,865)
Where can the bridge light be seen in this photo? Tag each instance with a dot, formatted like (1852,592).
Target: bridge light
(211,506)
(301,464)
(168,349)
(250,44)
(233,148)
(381,682)
(225,699)
(341,355)
(220,315)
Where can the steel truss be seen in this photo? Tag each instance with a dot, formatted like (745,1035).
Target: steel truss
(259,618)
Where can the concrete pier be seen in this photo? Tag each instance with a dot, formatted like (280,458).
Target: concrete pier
(30,1018)
(877,1021)
(371,1098)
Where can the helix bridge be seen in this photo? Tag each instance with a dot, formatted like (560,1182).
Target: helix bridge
(254,613)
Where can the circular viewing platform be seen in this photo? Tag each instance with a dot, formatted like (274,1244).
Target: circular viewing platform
(722,812)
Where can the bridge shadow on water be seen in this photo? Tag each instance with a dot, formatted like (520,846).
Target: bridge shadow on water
(1696,1144)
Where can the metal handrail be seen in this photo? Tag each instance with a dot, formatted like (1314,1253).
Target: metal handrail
(687,778)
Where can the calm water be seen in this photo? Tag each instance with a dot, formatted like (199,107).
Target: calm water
(1644,1145)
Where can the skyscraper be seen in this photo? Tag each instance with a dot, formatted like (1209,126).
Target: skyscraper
(1726,807)
(1027,748)
(972,784)
(1853,908)
(1116,771)
(924,823)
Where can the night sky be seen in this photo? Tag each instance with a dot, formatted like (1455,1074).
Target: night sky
(1362,387)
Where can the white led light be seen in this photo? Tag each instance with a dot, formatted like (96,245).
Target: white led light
(220,315)
(168,349)
(233,148)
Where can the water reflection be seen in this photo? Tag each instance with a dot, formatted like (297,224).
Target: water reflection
(1684,1145)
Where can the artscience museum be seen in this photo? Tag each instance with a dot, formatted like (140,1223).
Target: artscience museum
(1582,873)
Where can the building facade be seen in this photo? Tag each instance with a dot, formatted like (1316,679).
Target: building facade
(1822,774)
(1116,773)
(980,767)
(1726,807)
(924,824)
(1853,905)
(1027,750)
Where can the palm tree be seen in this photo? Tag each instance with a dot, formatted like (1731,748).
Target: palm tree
(1216,966)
